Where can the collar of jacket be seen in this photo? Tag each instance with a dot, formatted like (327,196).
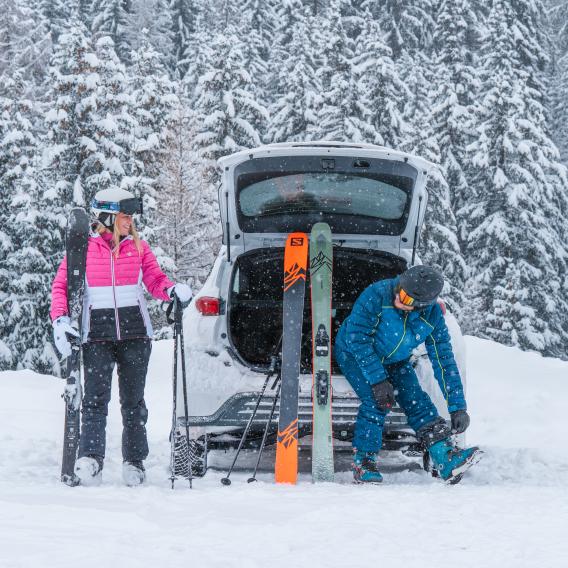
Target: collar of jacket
(105,239)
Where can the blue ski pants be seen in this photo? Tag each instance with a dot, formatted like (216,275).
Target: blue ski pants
(99,358)
(416,404)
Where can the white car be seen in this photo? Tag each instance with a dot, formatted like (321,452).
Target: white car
(374,200)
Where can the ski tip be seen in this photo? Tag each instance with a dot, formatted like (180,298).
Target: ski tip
(458,473)
(320,227)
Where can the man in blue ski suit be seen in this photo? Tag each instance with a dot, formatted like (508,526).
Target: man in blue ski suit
(373,347)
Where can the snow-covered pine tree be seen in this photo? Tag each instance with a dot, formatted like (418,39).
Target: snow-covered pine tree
(114,162)
(516,251)
(110,18)
(381,92)
(25,267)
(256,29)
(341,115)
(187,216)
(71,134)
(353,16)
(293,115)
(260,16)
(439,245)
(316,7)
(184,15)
(197,61)
(289,14)
(84,12)
(56,16)
(154,103)
(408,24)
(226,110)
(150,24)
(454,90)
(559,28)
(25,44)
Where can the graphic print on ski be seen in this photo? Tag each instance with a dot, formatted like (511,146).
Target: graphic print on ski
(295,268)
(76,241)
(321,268)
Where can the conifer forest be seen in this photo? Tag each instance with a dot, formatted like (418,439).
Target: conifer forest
(146,95)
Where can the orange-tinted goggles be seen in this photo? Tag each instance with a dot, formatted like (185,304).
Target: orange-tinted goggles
(405,298)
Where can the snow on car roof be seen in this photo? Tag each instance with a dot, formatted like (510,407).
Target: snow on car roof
(325,147)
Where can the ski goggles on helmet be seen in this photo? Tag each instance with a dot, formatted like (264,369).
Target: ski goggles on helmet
(406,299)
(130,206)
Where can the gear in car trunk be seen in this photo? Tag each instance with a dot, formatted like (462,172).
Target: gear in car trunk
(255,302)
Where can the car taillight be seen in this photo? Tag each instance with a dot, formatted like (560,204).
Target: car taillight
(208,306)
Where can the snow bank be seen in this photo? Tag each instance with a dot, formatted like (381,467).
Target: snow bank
(511,510)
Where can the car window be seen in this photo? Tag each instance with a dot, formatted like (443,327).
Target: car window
(323,192)
(365,196)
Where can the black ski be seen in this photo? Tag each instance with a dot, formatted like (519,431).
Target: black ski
(76,241)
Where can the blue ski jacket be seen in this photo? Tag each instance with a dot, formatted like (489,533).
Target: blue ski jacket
(376,334)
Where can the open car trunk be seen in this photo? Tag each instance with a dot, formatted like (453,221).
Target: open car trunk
(255,302)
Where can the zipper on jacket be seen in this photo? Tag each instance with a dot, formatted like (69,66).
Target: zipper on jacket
(401,339)
(114,295)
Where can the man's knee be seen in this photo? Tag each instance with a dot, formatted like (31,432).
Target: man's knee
(370,412)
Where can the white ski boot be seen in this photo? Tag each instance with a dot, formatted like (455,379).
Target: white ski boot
(133,473)
(89,470)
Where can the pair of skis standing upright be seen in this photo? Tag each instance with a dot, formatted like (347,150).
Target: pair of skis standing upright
(295,270)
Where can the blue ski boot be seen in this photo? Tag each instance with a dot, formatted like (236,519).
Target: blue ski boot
(365,468)
(451,462)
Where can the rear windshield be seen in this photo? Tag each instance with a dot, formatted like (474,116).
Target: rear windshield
(353,196)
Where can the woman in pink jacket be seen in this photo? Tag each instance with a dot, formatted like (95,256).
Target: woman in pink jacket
(116,329)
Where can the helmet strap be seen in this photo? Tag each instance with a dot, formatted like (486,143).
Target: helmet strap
(106,220)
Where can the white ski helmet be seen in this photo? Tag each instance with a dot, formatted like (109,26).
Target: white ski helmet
(109,202)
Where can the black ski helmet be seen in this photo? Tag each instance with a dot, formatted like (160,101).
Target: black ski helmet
(422,283)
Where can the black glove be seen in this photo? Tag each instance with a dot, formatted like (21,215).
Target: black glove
(384,395)
(460,421)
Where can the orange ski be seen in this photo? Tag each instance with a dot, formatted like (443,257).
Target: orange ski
(295,268)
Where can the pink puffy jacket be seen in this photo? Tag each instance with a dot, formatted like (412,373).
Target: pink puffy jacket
(114,306)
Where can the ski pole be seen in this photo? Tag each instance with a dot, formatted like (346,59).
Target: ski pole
(174,406)
(273,364)
(266,428)
(179,322)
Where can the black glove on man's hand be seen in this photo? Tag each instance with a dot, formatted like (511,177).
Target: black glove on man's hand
(384,395)
(460,421)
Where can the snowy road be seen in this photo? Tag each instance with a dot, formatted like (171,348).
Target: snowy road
(512,509)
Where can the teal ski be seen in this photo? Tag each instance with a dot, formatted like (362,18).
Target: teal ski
(321,264)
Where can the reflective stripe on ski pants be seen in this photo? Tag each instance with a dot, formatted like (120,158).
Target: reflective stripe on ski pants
(99,357)
(416,404)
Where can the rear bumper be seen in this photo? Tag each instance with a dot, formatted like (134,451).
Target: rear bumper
(229,421)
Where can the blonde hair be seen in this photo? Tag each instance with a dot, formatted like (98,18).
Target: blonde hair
(116,237)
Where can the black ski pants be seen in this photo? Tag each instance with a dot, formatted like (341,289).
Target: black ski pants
(99,358)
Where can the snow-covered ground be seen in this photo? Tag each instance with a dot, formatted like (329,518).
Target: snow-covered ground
(510,511)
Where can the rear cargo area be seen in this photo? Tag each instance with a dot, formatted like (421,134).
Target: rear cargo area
(255,302)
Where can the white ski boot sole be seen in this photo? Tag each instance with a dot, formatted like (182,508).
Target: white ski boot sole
(88,472)
(458,472)
(132,476)
(359,482)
